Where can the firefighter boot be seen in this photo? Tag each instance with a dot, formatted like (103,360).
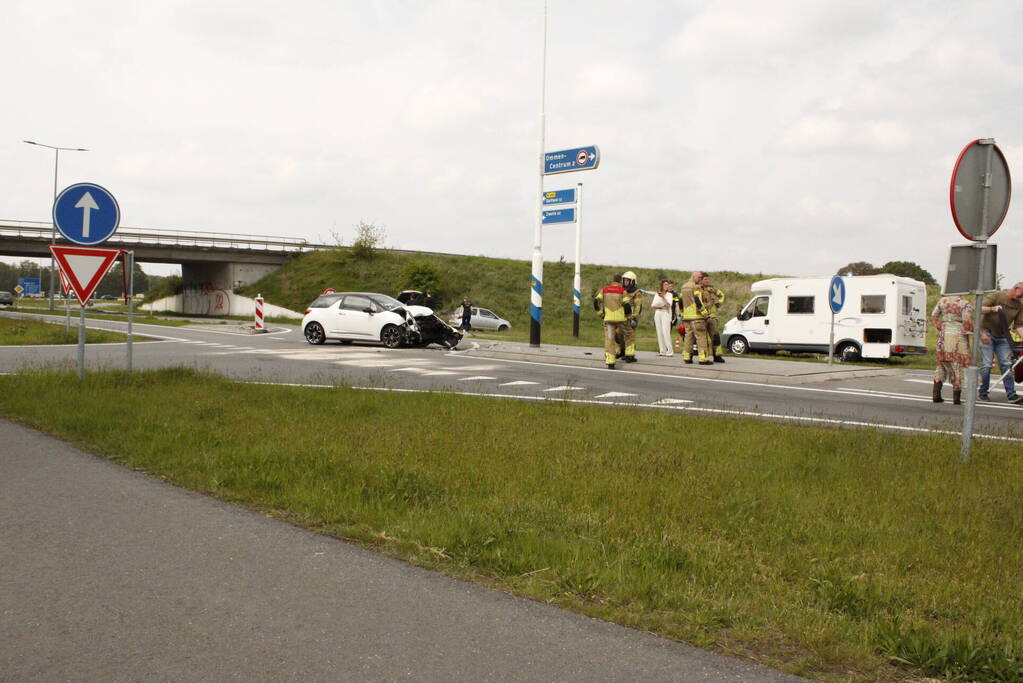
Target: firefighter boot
(936,393)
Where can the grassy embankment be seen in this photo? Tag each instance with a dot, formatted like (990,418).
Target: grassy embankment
(845,555)
(21,332)
(503,285)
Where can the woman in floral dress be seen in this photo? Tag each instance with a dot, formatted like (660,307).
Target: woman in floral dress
(953,318)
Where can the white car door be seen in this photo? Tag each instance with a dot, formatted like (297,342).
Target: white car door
(353,320)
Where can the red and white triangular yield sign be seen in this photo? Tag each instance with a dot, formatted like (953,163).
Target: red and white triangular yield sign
(84,267)
(65,286)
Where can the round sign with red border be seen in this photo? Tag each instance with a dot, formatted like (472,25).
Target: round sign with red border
(981,165)
(329,290)
(582,157)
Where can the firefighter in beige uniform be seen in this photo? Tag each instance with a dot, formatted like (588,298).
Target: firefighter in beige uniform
(694,314)
(712,299)
(633,297)
(613,310)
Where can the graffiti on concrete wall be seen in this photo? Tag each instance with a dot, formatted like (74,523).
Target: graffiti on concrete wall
(205,299)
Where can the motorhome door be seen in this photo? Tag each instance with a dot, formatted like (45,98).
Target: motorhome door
(755,320)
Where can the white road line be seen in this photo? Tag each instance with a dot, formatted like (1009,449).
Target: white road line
(437,373)
(517,383)
(415,370)
(565,388)
(615,394)
(475,378)
(670,402)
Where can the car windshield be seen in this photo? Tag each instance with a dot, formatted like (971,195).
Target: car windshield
(385,302)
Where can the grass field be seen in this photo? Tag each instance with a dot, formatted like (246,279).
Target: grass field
(21,332)
(843,555)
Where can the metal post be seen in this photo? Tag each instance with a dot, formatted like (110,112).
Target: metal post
(53,229)
(536,281)
(81,342)
(577,279)
(978,314)
(131,301)
(831,339)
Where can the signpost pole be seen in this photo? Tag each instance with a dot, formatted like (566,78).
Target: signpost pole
(131,300)
(978,314)
(536,281)
(577,279)
(831,340)
(81,342)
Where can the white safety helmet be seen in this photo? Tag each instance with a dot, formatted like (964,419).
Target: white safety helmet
(629,275)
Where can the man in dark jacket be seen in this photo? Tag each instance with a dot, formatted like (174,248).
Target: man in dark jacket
(466,314)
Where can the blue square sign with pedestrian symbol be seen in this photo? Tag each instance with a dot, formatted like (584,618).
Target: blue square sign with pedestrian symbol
(86,214)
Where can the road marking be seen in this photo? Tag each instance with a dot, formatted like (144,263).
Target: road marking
(416,370)
(670,402)
(475,377)
(615,394)
(437,373)
(565,388)
(518,383)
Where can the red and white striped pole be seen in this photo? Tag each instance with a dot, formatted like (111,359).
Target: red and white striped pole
(260,327)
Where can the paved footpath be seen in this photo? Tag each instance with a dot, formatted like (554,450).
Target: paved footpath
(109,574)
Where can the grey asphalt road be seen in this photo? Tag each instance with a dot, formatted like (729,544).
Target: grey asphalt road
(109,574)
(899,401)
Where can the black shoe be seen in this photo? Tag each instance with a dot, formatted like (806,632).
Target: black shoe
(687,361)
(984,397)
(610,366)
(1017,399)
(630,359)
(719,359)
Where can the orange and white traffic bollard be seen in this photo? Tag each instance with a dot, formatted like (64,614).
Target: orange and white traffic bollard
(259,327)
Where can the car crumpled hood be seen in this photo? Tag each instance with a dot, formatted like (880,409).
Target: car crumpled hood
(417,311)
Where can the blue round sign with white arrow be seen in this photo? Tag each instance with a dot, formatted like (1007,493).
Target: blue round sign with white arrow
(86,214)
(836,293)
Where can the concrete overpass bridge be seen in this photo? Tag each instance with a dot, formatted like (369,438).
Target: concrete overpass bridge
(211,259)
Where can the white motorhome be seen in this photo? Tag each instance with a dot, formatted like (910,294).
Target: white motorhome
(882,316)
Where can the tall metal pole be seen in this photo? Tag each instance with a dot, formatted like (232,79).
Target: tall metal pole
(971,371)
(536,281)
(131,300)
(53,232)
(577,280)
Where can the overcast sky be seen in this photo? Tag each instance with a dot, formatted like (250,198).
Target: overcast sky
(786,137)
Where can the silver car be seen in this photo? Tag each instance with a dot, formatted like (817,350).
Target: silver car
(482,319)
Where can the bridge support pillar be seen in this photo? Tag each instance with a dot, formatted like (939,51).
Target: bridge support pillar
(224,275)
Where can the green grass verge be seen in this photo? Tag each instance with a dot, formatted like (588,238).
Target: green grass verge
(140,318)
(836,554)
(22,332)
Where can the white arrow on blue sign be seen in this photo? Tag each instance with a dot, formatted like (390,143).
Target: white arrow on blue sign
(836,294)
(553,216)
(86,214)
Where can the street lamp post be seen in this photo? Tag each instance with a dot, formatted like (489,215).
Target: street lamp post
(56,165)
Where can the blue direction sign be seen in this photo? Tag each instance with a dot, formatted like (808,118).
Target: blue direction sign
(30,285)
(836,294)
(568,160)
(86,214)
(553,216)
(559,197)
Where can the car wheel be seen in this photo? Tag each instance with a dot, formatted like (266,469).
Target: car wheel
(502,328)
(314,333)
(738,345)
(847,352)
(391,336)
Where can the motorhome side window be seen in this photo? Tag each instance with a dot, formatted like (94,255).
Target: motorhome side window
(907,305)
(872,303)
(801,304)
(757,308)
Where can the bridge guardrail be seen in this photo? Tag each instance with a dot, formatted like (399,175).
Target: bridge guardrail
(183,238)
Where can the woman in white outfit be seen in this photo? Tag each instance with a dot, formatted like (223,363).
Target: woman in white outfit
(664,311)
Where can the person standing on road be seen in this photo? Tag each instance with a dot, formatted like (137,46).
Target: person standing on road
(466,314)
(712,299)
(694,315)
(664,313)
(633,298)
(1001,310)
(952,317)
(613,311)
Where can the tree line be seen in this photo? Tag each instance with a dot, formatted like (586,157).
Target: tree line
(112,283)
